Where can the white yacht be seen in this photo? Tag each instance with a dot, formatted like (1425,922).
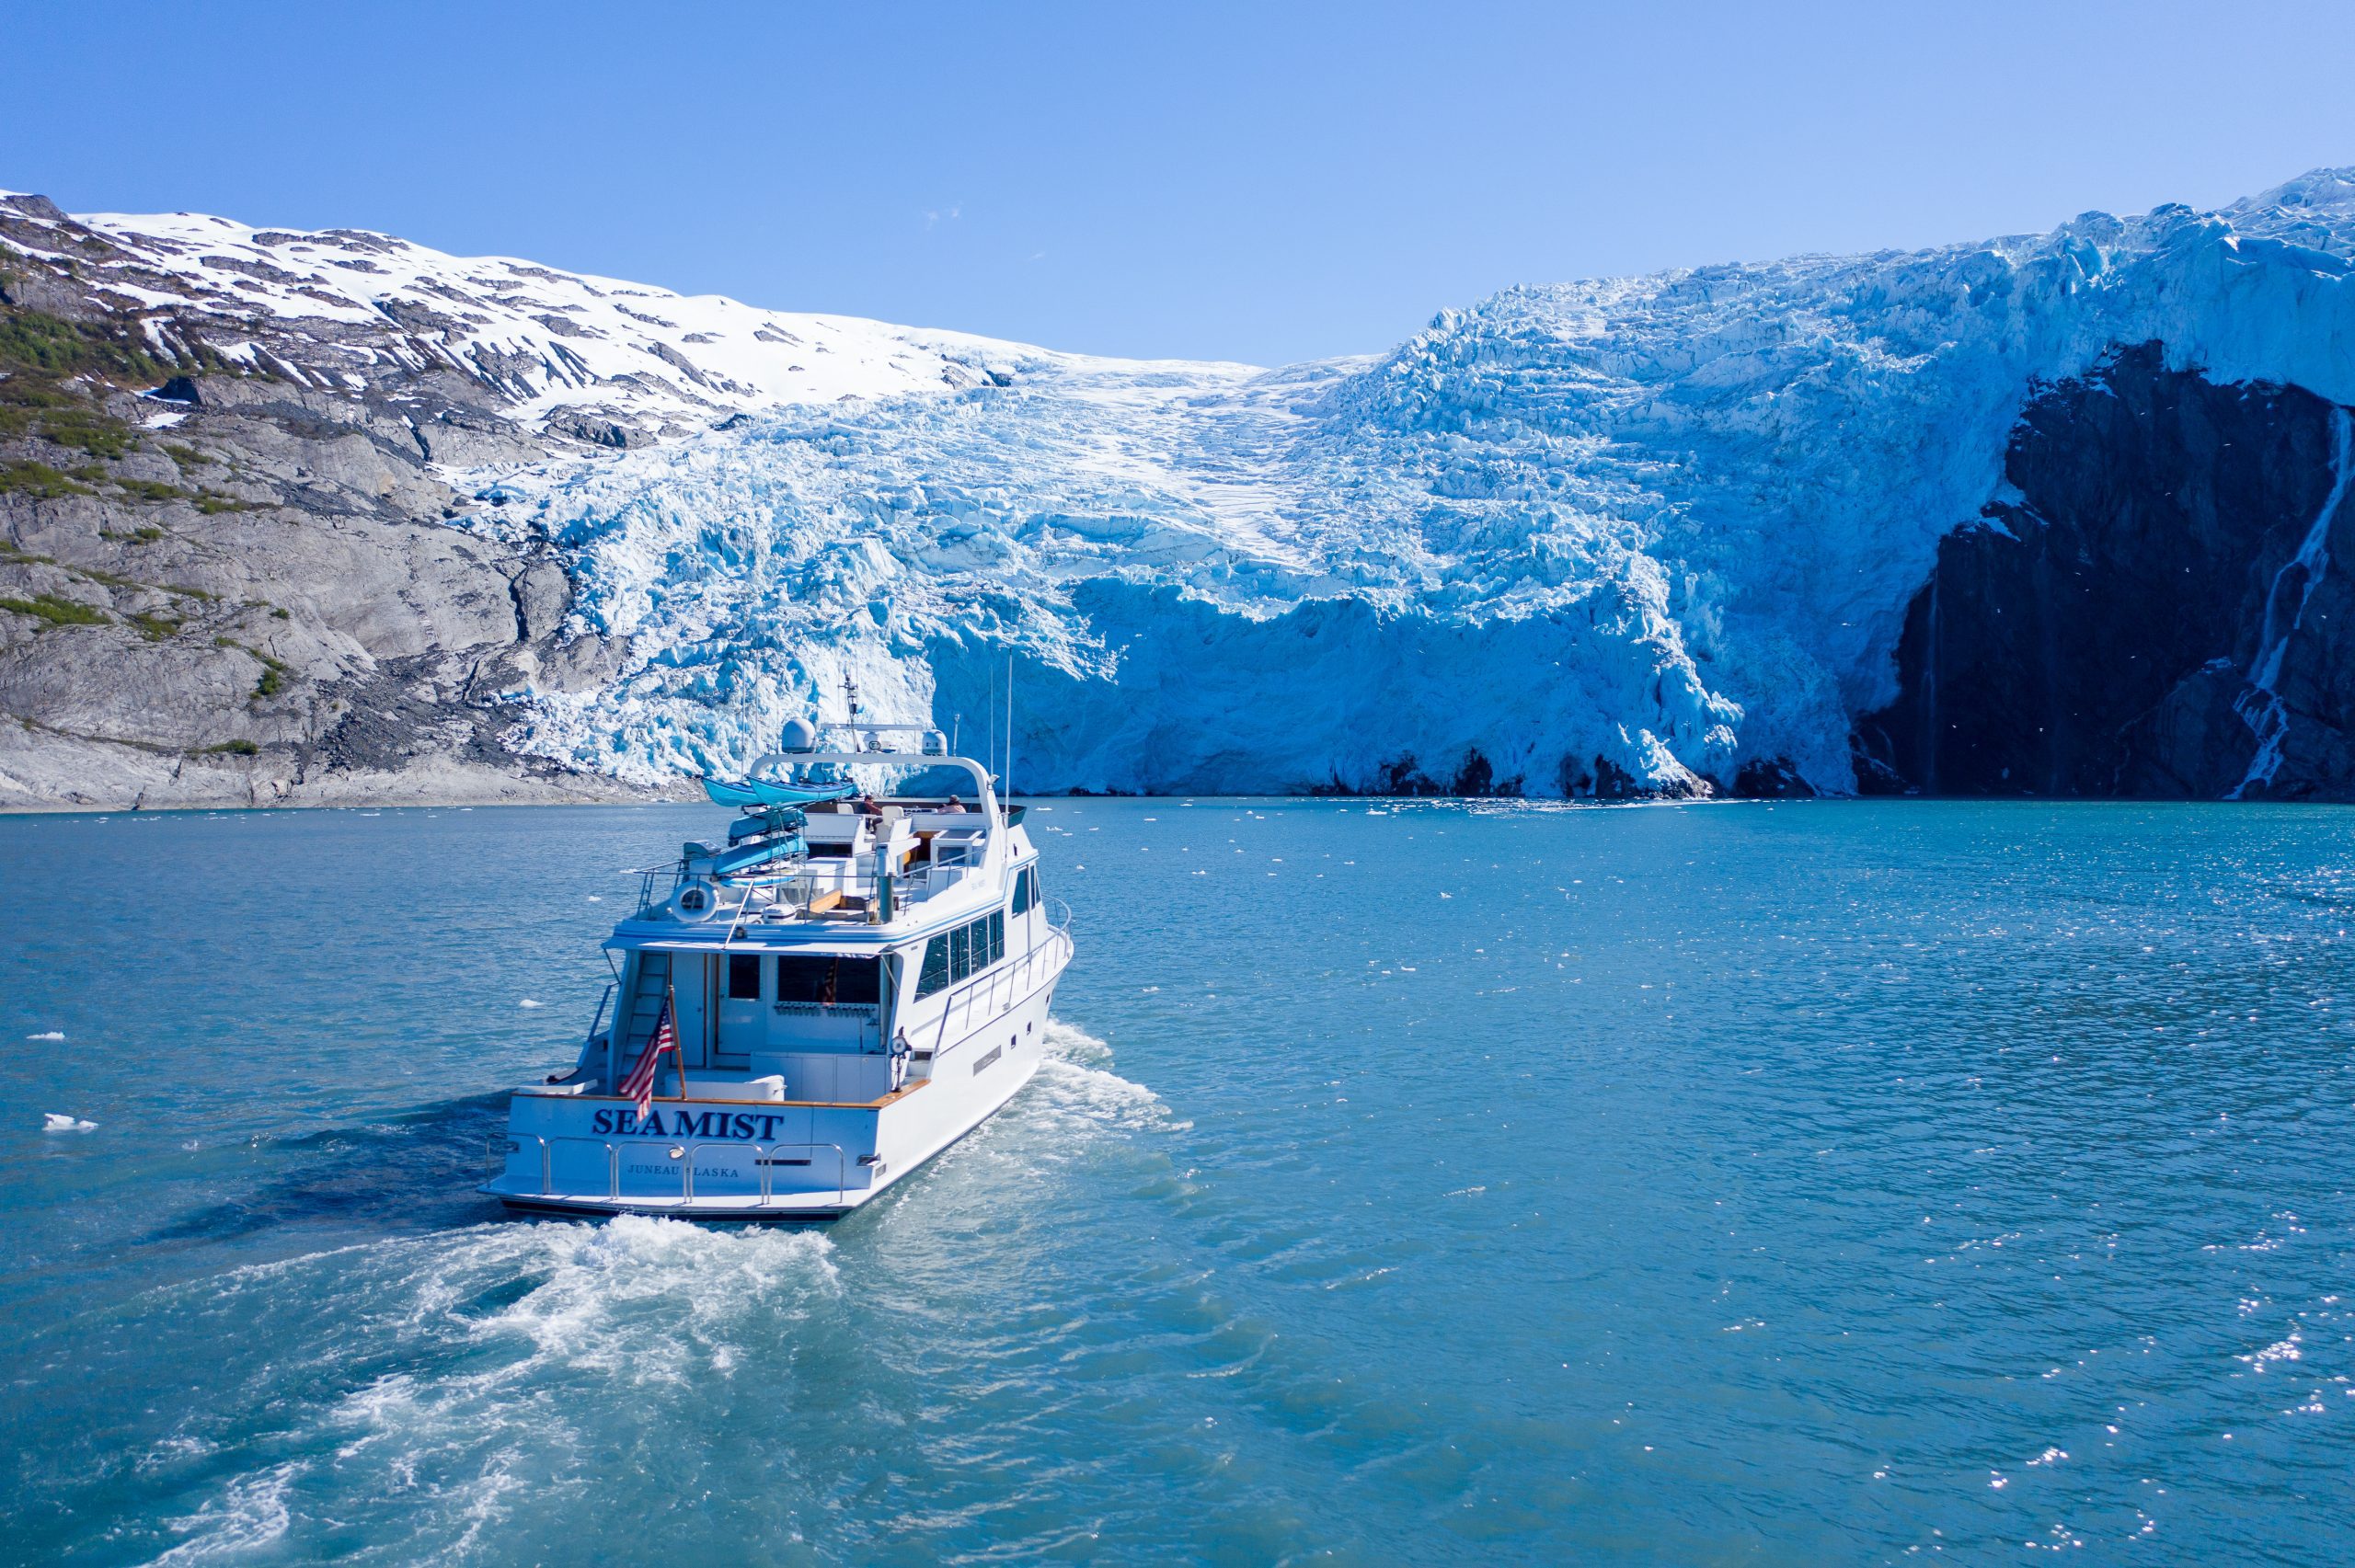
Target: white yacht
(811,1009)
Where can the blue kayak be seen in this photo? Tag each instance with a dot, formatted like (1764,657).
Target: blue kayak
(774,819)
(765,792)
(759,853)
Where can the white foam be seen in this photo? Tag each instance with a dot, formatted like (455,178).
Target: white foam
(650,1304)
(250,1516)
(1076,1086)
(592,1310)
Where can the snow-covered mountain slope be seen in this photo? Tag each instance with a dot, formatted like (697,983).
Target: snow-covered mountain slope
(603,359)
(1639,535)
(1627,533)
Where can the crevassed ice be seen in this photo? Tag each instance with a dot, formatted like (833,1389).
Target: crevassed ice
(1663,524)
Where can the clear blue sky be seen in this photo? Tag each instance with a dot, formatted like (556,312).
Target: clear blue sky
(1266,181)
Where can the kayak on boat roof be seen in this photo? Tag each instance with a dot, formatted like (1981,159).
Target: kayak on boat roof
(774,819)
(759,853)
(768,792)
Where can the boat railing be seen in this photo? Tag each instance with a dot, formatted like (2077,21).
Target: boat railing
(775,1154)
(948,866)
(591,1038)
(646,876)
(590,1043)
(947,861)
(978,998)
(768,1158)
(798,891)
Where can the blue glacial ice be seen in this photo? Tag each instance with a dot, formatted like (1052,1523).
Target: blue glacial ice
(1638,529)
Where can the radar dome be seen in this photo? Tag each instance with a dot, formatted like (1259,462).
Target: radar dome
(799,735)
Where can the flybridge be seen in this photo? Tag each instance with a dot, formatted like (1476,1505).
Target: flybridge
(814,854)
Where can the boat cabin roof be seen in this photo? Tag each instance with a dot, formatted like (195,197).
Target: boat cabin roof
(856,877)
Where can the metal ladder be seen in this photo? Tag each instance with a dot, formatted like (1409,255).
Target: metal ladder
(637,1020)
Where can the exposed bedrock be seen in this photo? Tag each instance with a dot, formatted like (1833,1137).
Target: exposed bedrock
(2153,610)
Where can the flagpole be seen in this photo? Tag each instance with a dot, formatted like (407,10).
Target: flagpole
(678,1061)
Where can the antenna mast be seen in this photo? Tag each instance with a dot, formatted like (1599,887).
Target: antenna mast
(850,690)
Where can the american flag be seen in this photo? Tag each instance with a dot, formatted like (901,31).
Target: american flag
(639,1086)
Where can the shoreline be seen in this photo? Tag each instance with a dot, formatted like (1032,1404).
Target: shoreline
(558,798)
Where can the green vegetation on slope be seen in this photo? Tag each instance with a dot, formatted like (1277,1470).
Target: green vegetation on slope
(51,611)
(44,357)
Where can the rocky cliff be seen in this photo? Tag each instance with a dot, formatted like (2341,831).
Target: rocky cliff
(229,578)
(2149,611)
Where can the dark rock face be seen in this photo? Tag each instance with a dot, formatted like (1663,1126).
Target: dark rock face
(1771,778)
(594,428)
(2155,614)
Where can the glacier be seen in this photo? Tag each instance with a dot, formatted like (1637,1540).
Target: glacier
(1621,535)
(1639,536)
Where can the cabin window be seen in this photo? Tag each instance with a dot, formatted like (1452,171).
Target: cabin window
(1022,891)
(743,977)
(836,982)
(935,975)
(957,955)
(858,982)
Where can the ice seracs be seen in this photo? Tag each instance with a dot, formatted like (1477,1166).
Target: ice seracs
(1629,536)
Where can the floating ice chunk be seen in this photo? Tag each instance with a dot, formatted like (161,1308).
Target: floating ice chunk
(52,1122)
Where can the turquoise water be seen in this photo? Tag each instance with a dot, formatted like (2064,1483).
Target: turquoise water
(1797,1183)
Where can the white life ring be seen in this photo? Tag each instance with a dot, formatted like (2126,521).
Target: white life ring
(698,900)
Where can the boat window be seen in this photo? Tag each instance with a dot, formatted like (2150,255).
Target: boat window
(838,982)
(1022,891)
(935,975)
(955,954)
(804,978)
(858,982)
(743,977)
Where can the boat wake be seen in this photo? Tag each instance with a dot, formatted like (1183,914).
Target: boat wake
(469,1380)
(475,1369)
(1077,1089)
